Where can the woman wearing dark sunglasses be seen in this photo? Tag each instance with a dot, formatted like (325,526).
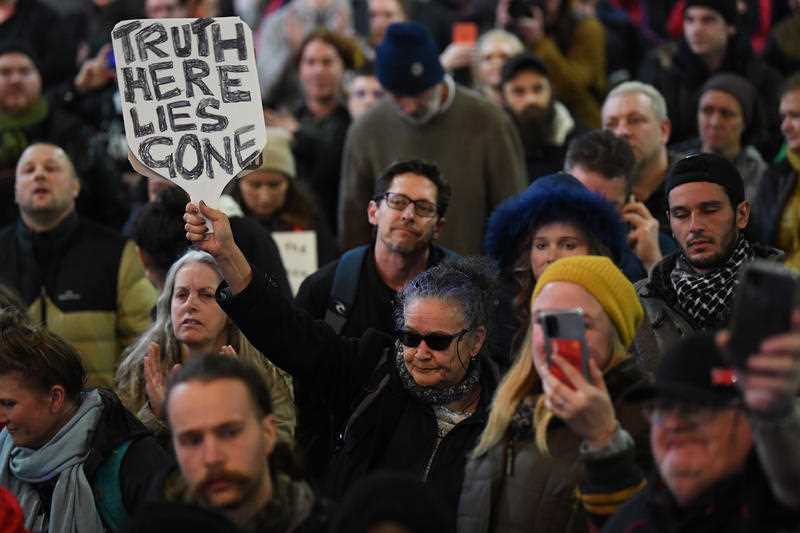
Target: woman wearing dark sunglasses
(415,403)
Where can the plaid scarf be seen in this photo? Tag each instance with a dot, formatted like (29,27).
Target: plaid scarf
(707,298)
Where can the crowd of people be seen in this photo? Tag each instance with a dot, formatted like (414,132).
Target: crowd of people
(469,172)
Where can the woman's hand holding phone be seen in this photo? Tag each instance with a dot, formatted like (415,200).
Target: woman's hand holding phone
(584,406)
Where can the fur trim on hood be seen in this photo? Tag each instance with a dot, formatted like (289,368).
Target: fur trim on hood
(558,197)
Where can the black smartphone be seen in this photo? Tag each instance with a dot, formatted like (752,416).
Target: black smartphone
(565,334)
(765,298)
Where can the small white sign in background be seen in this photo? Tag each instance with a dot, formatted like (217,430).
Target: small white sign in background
(299,254)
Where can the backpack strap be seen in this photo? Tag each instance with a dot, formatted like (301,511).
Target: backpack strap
(345,287)
(108,487)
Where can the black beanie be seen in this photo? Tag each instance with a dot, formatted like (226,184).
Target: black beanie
(745,93)
(726,8)
(707,167)
(520,63)
(23,48)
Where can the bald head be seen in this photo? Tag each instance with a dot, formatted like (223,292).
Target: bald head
(46,186)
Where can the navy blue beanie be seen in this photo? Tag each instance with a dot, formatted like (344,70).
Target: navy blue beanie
(407,60)
(555,198)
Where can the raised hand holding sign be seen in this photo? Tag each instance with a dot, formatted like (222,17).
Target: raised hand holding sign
(191,101)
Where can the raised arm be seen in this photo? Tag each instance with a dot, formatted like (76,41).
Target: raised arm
(307,349)
(232,262)
(770,387)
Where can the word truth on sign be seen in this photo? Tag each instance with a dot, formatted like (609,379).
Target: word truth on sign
(187,94)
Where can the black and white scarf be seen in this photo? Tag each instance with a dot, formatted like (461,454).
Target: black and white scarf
(434,396)
(707,298)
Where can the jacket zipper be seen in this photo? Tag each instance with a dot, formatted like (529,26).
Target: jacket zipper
(433,456)
(43,310)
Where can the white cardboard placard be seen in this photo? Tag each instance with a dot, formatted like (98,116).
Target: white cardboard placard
(191,100)
(298,251)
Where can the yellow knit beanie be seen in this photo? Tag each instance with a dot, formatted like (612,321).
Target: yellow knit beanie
(603,280)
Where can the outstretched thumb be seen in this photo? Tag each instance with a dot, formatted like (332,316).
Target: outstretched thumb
(209,212)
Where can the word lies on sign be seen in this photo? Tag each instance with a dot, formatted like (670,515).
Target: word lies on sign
(191,100)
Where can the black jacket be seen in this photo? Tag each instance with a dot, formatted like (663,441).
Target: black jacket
(679,74)
(373,307)
(386,428)
(774,190)
(144,456)
(317,149)
(665,322)
(742,503)
(375,301)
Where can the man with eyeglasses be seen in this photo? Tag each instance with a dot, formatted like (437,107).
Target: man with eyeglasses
(473,141)
(409,408)
(358,291)
(725,442)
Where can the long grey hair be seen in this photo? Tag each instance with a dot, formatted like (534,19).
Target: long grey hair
(130,373)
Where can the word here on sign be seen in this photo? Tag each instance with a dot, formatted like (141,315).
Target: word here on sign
(191,100)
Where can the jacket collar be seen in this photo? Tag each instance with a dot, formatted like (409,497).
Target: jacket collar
(54,240)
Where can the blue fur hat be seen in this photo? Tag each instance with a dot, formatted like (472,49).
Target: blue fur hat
(407,60)
(555,198)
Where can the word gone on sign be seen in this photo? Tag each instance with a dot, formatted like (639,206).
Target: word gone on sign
(191,100)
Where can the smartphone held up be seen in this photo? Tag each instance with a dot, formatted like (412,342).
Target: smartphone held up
(565,335)
(765,297)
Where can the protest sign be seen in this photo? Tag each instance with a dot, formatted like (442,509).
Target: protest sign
(191,100)
(298,251)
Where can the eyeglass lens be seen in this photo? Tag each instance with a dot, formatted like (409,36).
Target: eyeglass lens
(399,201)
(434,341)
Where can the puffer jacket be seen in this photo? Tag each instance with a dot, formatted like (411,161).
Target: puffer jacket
(514,487)
(86,283)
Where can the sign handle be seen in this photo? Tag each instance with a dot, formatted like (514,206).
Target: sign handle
(210,203)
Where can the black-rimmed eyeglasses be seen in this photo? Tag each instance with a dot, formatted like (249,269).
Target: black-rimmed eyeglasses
(398,201)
